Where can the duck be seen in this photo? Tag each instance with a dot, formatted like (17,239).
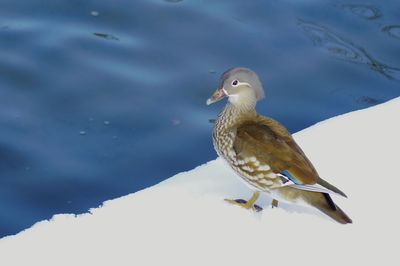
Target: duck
(263,153)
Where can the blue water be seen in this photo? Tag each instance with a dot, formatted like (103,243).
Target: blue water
(99,99)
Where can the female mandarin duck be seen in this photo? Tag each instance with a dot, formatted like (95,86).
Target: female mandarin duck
(263,153)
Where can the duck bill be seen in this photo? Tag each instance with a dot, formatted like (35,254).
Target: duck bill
(218,95)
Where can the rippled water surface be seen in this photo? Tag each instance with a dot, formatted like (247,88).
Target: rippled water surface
(99,99)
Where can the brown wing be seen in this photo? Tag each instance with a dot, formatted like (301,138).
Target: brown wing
(271,144)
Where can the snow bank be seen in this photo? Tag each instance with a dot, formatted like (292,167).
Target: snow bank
(184,220)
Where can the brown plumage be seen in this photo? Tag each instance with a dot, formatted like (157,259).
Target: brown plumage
(262,151)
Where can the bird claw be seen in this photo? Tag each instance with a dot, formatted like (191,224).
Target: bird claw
(244,204)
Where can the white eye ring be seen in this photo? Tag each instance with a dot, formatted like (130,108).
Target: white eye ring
(235,83)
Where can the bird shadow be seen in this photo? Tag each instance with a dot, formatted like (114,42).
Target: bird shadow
(293,208)
(265,204)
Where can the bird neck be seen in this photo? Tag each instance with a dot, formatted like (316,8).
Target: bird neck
(245,100)
(233,115)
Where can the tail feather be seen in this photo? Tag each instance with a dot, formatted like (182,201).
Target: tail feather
(325,204)
(320,200)
(331,187)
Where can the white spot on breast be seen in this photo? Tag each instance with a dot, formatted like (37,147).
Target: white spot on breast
(240,162)
(231,153)
(266,182)
(271,175)
(260,176)
(253,159)
(247,168)
(263,168)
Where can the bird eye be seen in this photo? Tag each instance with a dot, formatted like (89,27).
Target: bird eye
(235,83)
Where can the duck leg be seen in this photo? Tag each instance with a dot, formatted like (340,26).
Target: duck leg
(274,203)
(249,204)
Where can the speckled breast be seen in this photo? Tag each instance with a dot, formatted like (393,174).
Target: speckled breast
(255,175)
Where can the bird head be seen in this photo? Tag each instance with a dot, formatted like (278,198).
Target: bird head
(241,85)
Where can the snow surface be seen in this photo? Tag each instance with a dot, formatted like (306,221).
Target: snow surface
(184,220)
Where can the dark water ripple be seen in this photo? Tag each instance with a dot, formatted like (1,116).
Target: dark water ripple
(368,101)
(345,50)
(106,36)
(368,12)
(392,30)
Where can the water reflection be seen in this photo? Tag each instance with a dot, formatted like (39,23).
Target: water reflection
(363,11)
(345,50)
(94,13)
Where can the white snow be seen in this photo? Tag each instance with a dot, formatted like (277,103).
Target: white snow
(184,220)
